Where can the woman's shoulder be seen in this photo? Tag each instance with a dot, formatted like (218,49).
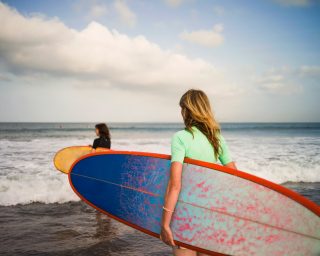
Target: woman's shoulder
(182,135)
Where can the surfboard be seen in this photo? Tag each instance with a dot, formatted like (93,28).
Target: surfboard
(220,211)
(65,157)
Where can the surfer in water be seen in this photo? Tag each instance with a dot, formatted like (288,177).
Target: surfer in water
(201,139)
(104,140)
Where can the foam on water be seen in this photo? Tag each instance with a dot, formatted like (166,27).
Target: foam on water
(27,173)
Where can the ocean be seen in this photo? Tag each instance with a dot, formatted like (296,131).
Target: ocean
(40,214)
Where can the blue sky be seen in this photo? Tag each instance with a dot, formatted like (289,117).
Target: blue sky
(132,60)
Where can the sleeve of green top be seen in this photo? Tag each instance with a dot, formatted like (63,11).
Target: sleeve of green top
(224,155)
(177,149)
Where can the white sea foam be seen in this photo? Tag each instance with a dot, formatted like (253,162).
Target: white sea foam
(27,173)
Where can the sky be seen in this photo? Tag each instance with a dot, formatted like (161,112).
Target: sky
(131,61)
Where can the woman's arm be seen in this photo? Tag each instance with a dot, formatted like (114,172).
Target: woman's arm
(224,154)
(171,198)
(95,145)
(231,165)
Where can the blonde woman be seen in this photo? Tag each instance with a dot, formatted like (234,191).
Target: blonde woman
(201,139)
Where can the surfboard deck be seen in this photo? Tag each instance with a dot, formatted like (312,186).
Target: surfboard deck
(220,211)
(65,157)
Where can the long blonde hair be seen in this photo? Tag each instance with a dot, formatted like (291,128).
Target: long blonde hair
(196,111)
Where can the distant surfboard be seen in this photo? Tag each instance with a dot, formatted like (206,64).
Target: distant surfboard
(220,211)
(65,157)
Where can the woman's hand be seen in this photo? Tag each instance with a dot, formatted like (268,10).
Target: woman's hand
(166,236)
(171,198)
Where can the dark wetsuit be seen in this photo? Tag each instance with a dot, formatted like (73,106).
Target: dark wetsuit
(101,142)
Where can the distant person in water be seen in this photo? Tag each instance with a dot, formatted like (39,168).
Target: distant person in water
(104,140)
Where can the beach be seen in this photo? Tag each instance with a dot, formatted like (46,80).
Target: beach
(40,214)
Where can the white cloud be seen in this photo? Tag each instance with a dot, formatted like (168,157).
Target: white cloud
(310,70)
(94,9)
(127,16)
(208,38)
(174,3)
(98,56)
(294,2)
(97,11)
(276,83)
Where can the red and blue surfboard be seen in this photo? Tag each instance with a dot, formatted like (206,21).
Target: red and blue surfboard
(220,211)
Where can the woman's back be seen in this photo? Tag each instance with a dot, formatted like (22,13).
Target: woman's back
(198,147)
(101,142)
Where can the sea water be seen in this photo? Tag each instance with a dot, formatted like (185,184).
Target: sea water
(40,214)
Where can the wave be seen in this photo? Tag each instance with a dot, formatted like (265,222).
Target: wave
(27,173)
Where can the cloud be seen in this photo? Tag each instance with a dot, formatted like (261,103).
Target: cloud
(208,38)
(97,11)
(174,3)
(98,56)
(276,83)
(126,15)
(285,80)
(93,9)
(297,3)
(310,70)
